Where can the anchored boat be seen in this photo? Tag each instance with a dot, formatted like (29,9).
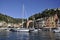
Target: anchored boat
(20,30)
(57,30)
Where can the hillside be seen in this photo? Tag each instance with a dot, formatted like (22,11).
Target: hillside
(46,13)
(9,19)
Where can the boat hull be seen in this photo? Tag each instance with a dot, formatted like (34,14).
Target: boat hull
(20,30)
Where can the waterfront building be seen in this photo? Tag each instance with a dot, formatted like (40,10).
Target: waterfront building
(10,25)
(51,21)
(47,22)
(20,25)
(16,25)
(39,23)
(58,22)
(29,23)
(3,24)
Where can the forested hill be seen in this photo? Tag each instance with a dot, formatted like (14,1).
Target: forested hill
(46,13)
(9,19)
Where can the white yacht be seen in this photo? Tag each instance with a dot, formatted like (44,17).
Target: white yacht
(23,29)
(20,30)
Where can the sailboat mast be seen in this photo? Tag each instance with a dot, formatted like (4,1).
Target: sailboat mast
(22,15)
(33,21)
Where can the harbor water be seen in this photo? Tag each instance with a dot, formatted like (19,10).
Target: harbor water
(41,35)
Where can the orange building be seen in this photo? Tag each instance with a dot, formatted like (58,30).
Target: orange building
(51,21)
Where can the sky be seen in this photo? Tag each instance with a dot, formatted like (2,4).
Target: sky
(14,8)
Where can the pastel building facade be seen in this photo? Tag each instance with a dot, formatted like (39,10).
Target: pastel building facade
(51,22)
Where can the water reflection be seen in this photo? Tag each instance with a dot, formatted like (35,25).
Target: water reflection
(42,35)
(13,35)
(57,36)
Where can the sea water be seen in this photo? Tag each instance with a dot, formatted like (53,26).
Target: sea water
(41,35)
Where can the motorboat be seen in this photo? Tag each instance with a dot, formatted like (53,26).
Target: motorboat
(34,30)
(57,30)
(22,29)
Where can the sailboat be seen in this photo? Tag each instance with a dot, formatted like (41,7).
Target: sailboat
(22,29)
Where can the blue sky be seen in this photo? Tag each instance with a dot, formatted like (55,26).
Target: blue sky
(14,8)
